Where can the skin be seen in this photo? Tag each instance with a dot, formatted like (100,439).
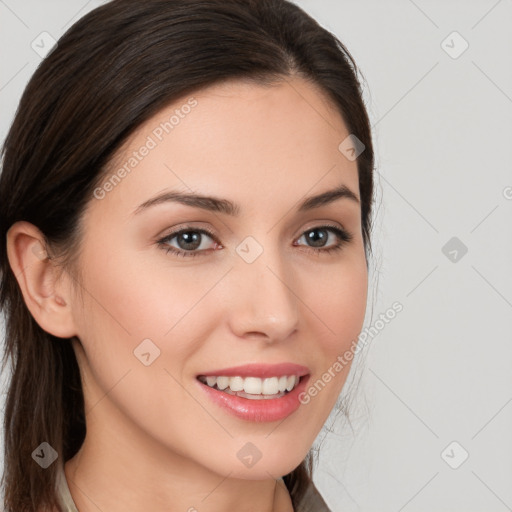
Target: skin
(153,439)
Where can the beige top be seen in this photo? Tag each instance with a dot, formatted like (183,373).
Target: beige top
(63,493)
(312,501)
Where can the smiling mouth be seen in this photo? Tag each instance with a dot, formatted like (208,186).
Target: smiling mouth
(253,388)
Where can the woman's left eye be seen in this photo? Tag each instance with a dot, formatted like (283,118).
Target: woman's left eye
(189,240)
(320,235)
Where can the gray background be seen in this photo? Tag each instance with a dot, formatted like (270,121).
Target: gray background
(441,370)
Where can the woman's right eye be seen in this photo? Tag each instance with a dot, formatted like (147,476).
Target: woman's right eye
(189,240)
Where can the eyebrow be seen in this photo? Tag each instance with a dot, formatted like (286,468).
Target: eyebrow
(227,207)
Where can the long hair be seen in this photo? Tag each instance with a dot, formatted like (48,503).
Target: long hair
(110,72)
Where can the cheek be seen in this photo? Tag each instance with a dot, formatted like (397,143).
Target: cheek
(340,303)
(127,304)
(339,307)
(135,298)
(344,308)
(133,309)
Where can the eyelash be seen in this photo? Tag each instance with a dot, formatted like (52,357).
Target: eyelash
(343,236)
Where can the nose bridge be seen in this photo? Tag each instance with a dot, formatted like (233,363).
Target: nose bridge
(264,301)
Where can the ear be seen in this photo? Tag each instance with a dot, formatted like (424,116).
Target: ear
(47,298)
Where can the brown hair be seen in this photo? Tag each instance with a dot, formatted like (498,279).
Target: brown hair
(110,72)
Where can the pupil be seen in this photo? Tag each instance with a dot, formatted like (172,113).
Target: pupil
(191,240)
(315,239)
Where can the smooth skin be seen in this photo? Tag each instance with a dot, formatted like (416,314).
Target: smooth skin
(154,441)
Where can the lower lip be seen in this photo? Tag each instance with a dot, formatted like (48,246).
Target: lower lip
(264,410)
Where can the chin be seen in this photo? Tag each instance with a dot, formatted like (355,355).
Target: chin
(252,463)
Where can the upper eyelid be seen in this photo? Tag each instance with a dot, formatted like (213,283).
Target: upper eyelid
(177,231)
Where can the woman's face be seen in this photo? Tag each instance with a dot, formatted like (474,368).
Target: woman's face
(266,287)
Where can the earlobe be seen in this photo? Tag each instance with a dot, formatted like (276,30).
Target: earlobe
(43,292)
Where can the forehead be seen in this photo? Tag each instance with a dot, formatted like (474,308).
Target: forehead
(242,140)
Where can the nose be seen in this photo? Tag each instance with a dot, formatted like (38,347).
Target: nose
(262,301)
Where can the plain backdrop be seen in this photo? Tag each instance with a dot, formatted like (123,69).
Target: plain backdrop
(431,414)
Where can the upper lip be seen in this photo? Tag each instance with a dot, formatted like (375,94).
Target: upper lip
(260,370)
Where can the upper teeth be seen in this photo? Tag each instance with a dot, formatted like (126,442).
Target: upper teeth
(254,385)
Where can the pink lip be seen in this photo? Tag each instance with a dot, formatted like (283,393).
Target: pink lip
(260,370)
(264,410)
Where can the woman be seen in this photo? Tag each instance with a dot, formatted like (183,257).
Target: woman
(186,202)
